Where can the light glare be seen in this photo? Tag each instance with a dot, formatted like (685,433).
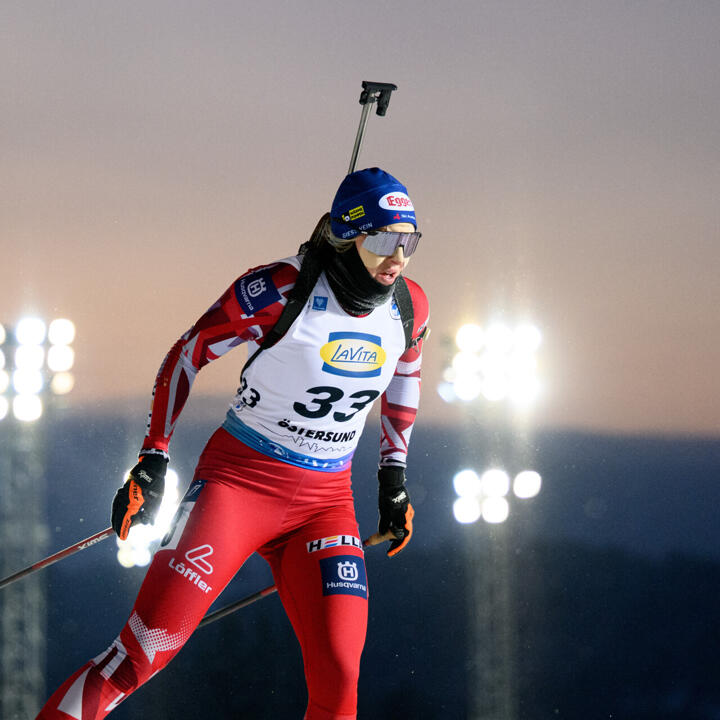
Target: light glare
(446,390)
(27,382)
(466,510)
(62,383)
(467,387)
(527,484)
(61,358)
(494,387)
(495,509)
(467,483)
(143,539)
(27,408)
(495,483)
(469,338)
(527,338)
(4,381)
(29,357)
(4,407)
(30,331)
(499,338)
(61,331)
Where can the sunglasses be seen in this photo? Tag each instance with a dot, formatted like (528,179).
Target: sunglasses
(381,242)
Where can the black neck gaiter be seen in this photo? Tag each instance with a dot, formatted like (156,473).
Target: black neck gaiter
(356,290)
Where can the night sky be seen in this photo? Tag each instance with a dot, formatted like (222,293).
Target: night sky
(564,159)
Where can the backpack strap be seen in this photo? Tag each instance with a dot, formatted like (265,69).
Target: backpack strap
(405,306)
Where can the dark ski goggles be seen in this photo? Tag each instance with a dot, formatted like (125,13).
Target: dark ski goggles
(381,242)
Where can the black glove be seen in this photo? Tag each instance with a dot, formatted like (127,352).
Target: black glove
(396,512)
(138,500)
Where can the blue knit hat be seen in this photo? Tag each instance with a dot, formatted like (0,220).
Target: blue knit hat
(369,199)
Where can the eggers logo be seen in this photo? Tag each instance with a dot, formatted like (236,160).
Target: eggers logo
(353,355)
(396,201)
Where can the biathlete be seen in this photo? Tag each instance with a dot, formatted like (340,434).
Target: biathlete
(275,477)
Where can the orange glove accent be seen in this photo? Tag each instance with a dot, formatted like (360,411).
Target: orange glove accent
(409,515)
(136,501)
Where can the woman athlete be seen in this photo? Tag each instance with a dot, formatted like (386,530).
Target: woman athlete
(275,477)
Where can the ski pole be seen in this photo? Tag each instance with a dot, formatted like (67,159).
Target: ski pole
(82,545)
(374,539)
(371,92)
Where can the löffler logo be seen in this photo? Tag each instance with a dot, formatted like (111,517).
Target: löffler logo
(197,557)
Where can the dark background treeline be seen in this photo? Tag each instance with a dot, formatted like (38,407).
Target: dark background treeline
(612,577)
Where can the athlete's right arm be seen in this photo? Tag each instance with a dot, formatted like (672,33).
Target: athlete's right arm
(246,311)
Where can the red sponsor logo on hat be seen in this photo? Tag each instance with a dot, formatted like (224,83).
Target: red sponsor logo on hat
(395,200)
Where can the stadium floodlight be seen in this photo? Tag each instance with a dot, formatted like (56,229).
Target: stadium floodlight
(62,383)
(29,357)
(446,390)
(36,357)
(4,407)
(30,331)
(527,338)
(494,483)
(27,381)
(469,338)
(486,495)
(494,386)
(27,407)
(495,510)
(61,358)
(467,483)
(143,540)
(498,363)
(467,387)
(467,510)
(499,338)
(527,484)
(61,332)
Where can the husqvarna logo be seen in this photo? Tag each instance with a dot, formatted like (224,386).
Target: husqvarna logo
(353,355)
(344,575)
(348,571)
(256,287)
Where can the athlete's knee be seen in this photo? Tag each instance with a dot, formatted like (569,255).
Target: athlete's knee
(139,652)
(318,712)
(332,686)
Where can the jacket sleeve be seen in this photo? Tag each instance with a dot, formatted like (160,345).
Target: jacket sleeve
(245,311)
(401,399)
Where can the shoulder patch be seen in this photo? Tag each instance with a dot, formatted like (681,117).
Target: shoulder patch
(256,290)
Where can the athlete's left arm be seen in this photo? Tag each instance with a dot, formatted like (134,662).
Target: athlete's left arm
(400,401)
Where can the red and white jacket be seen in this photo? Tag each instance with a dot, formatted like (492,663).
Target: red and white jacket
(305,399)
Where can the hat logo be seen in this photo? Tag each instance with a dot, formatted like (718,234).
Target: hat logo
(395,201)
(354,213)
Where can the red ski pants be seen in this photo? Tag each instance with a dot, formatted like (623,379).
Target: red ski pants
(301,521)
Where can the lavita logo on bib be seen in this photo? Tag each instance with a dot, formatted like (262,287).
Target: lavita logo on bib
(353,354)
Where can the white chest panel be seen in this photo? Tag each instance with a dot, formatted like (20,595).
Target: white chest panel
(306,398)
